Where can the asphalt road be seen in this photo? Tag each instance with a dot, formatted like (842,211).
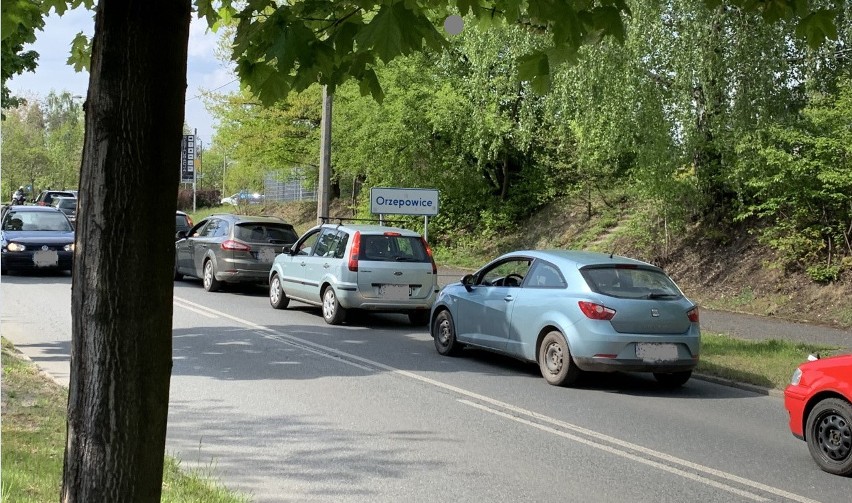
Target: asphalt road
(280,405)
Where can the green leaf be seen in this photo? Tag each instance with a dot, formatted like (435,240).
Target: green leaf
(81,53)
(396,30)
(535,68)
(817,27)
(369,84)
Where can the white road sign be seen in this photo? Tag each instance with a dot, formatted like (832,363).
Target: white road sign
(395,201)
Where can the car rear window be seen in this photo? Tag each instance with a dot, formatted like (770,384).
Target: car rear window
(631,282)
(266,233)
(390,247)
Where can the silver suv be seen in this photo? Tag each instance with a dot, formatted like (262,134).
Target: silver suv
(369,267)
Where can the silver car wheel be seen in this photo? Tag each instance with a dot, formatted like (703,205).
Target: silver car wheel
(275,291)
(444,332)
(332,311)
(209,279)
(277,297)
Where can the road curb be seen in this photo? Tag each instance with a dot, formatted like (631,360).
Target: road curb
(740,385)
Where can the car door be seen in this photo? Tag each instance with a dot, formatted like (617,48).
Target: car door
(319,262)
(184,248)
(294,264)
(484,313)
(201,244)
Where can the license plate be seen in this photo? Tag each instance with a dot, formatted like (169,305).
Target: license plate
(394,292)
(656,352)
(266,255)
(46,258)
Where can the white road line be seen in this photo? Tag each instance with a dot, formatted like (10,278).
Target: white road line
(517,411)
(193,309)
(617,452)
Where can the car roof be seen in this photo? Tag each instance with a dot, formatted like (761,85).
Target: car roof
(19,208)
(579,258)
(370,229)
(250,218)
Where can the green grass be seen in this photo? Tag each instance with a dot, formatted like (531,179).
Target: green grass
(763,363)
(33,432)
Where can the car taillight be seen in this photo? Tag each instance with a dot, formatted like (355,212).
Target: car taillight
(189,220)
(596,311)
(354,251)
(392,234)
(692,314)
(235,246)
(431,258)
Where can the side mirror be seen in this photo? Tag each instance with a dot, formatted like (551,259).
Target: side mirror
(467,281)
(180,235)
(286,249)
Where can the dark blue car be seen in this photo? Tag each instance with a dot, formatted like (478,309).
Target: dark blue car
(35,238)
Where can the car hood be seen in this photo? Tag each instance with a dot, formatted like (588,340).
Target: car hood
(45,237)
(830,363)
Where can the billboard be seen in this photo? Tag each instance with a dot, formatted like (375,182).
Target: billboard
(187,159)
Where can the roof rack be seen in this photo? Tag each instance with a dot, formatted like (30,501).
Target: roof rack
(340,220)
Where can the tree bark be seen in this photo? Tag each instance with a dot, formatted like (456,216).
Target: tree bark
(121,349)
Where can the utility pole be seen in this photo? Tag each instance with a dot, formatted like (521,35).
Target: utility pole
(325,156)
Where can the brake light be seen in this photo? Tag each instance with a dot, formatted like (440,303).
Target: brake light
(392,234)
(189,219)
(692,314)
(596,311)
(354,251)
(431,258)
(235,246)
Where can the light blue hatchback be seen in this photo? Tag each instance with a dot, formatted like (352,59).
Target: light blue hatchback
(572,311)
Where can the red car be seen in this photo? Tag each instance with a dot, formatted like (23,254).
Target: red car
(819,401)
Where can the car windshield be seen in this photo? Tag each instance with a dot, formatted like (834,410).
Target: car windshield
(392,247)
(631,282)
(67,203)
(36,221)
(265,233)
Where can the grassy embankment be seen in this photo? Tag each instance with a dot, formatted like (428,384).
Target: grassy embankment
(33,432)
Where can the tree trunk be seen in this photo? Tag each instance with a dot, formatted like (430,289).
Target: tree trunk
(121,348)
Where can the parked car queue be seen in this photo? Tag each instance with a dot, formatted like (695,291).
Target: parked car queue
(568,311)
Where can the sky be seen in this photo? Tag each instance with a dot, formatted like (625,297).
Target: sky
(204,71)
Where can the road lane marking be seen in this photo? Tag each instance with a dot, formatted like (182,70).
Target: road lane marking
(617,452)
(179,303)
(351,359)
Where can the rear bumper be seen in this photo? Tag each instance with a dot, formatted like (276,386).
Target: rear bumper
(633,365)
(354,300)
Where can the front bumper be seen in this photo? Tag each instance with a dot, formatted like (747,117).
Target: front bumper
(25,261)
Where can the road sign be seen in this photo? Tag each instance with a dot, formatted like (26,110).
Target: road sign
(396,201)
(187,159)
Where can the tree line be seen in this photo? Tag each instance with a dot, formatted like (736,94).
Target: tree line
(702,113)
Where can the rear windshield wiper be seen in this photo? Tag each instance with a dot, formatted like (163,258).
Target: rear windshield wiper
(662,295)
(404,259)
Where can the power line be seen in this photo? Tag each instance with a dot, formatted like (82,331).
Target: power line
(220,87)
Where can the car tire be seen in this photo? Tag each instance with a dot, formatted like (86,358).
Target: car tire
(673,379)
(555,362)
(332,312)
(829,435)
(178,276)
(277,298)
(444,334)
(419,317)
(211,284)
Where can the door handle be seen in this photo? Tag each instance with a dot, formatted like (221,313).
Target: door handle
(303,264)
(326,265)
(508,298)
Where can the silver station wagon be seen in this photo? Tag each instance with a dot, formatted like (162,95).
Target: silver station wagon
(367,267)
(572,311)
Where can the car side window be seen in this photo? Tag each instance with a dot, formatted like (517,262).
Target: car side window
(509,272)
(325,243)
(340,246)
(306,245)
(210,230)
(222,229)
(545,275)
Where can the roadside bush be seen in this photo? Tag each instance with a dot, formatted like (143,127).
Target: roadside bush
(206,198)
